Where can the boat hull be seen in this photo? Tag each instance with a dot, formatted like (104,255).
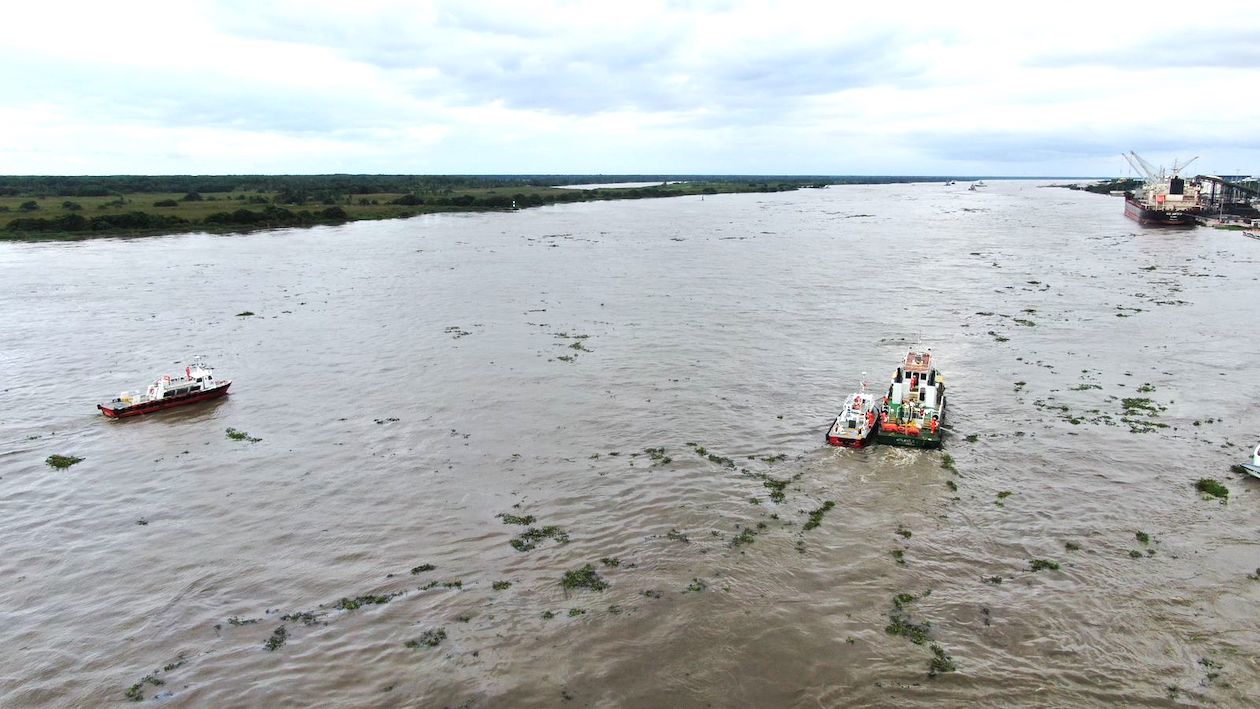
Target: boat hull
(148,407)
(1158,218)
(923,440)
(844,442)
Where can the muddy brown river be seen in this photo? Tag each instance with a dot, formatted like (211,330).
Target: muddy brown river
(456,414)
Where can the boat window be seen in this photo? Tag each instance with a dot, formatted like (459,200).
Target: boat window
(852,424)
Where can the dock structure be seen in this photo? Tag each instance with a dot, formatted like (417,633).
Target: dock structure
(1230,199)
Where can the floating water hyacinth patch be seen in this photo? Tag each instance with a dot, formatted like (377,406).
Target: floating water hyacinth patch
(429,638)
(815,517)
(584,577)
(1212,488)
(62,461)
(277,639)
(532,537)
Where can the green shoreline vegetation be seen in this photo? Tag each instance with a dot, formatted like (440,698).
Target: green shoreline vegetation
(79,207)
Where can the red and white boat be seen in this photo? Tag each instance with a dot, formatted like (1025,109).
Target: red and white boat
(197,384)
(855,426)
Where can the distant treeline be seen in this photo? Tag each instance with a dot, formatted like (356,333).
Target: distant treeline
(144,221)
(104,186)
(1119,184)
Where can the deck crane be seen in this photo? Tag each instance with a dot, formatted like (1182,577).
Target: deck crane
(1152,173)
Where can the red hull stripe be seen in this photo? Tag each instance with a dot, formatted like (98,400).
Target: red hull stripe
(125,411)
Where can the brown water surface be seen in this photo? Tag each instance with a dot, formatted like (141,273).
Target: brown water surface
(412,380)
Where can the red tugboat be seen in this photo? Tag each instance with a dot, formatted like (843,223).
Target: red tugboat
(197,384)
(855,425)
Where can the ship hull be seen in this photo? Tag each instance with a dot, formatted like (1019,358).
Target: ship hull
(923,440)
(1151,217)
(148,407)
(851,442)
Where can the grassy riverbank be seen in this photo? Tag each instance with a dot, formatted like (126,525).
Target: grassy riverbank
(40,208)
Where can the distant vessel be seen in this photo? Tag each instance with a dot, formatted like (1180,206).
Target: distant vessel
(914,409)
(1165,199)
(855,425)
(197,384)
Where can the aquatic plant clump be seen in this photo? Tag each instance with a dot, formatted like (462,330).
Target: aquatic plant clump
(277,639)
(349,604)
(524,520)
(941,662)
(135,692)
(776,488)
(1043,564)
(241,436)
(1212,488)
(815,517)
(422,568)
(429,638)
(61,462)
(584,577)
(532,537)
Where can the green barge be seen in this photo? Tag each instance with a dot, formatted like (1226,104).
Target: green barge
(914,408)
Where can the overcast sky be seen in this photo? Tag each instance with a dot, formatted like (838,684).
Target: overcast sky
(639,86)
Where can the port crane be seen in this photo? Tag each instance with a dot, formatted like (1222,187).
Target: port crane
(1152,173)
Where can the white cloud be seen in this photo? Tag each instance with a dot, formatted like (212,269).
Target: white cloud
(654,86)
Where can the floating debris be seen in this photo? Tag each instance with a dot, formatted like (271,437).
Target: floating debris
(135,692)
(277,639)
(1212,488)
(501,585)
(241,436)
(610,561)
(303,617)
(900,622)
(532,537)
(422,568)
(62,461)
(429,638)
(658,456)
(244,313)
(815,517)
(696,586)
(349,604)
(941,662)
(584,577)
(677,536)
